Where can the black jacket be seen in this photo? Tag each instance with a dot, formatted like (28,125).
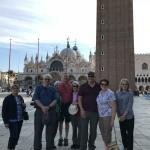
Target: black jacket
(9,108)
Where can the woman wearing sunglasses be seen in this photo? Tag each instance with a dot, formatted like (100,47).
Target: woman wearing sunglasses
(106,103)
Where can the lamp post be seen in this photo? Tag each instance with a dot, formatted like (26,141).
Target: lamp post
(9,64)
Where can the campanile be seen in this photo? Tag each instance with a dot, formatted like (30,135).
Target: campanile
(115,41)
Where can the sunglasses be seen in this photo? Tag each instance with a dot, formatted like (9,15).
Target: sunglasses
(124,84)
(47,79)
(75,86)
(91,76)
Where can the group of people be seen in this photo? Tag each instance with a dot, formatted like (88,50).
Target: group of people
(96,103)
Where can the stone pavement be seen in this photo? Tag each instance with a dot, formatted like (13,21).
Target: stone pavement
(141,134)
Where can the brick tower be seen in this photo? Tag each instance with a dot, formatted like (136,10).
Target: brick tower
(115,42)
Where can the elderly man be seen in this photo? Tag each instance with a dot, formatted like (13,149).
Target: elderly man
(45,114)
(88,110)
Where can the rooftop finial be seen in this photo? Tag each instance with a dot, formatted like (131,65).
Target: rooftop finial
(68,45)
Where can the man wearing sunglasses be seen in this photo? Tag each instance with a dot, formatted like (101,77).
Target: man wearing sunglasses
(88,111)
(45,100)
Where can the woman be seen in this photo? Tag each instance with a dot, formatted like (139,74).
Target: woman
(107,110)
(58,107)
(75,120)
(12,114)
(125,114)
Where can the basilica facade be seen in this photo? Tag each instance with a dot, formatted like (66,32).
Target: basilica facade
(68,60)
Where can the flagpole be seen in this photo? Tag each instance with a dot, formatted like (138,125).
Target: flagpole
(9,64)
(37,63)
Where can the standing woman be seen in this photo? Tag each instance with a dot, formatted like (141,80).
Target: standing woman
(12,114)
(106,103)
(125,114)
(75,118)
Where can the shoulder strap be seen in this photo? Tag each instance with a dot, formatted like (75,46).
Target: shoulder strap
(115,134)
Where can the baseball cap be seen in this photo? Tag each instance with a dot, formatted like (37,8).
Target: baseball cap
(91,74)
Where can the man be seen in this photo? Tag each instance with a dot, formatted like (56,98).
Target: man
(45,100)
(88,111)
(65,90)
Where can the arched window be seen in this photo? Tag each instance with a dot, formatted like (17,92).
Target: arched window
(139,80)
(144,66)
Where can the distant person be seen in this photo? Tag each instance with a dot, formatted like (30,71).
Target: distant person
(125,114)
(106,103)
(0,89)
(88,111)
(45,114)
(65,90)
(12,114)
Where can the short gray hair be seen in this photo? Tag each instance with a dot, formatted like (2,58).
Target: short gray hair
(47,76)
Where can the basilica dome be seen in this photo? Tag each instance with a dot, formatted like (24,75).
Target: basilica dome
(68,52)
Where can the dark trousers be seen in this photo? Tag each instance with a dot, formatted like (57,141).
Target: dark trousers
(127,128)
(14,129)
(75,121)
(38,129)
(92,119)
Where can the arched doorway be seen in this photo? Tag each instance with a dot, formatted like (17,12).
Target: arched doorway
(56,66)
(28,81)
(39,79)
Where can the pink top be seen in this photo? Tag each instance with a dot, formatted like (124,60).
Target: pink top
(75,96)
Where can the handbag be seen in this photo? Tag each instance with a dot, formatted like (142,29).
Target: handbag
(113,145)
(25,115)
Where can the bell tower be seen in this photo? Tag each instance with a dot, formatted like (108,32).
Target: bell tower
(115,42)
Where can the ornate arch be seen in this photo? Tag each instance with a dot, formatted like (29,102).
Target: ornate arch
(56,65)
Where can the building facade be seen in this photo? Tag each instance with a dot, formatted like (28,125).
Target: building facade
(114,41)
(142,71)
(7,79)
(69,60)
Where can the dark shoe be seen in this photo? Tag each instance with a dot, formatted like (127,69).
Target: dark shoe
(65,142)
(54,147)
(92,147)
(75,146)
(60,142)
(72,146)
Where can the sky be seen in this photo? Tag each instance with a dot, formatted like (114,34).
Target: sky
(53,21)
